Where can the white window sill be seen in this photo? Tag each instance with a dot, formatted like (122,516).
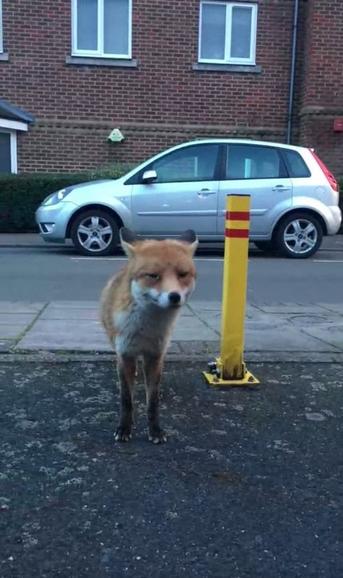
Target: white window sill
(250,68)
(98,61)
(4,56)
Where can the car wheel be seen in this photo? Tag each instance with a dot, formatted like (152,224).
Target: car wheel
(95,232)
(299,235)
(265,245)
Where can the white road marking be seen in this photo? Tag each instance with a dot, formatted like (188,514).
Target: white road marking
(326,261)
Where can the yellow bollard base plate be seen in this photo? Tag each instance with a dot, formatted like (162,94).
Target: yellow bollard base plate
(213,379)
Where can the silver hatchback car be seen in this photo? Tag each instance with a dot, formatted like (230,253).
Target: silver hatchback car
(294,198)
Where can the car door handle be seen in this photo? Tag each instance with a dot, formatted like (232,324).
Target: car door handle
(206,193)
(281,188)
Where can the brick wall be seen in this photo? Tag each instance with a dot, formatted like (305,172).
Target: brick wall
(321,99)
(161,102)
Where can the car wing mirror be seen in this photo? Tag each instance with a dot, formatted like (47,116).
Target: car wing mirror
(149,176)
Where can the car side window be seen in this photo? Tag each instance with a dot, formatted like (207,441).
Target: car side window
(253,162)
(296,165)
(193,163)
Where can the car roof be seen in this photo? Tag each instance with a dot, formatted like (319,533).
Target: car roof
(231,140)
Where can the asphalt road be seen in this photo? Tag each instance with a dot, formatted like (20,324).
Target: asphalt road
(249,484)
(49,273)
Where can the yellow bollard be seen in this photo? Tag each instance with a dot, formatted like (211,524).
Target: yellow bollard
(229,368)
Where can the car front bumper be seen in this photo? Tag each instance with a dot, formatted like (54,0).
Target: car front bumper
(53,220)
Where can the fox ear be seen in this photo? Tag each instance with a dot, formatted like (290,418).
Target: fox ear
(127,239)
(190,237)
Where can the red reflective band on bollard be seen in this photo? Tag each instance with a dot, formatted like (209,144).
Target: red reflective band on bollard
(237,233)
(237,215)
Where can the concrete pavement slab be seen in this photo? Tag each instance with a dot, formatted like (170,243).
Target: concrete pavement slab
(212,320)
(11,331)
(198,305)
(13,322)
(333,307)
(21,307)
(54,311)
(193,329)
(6,345)
(80,304)
(266,336)
(287,308)
(75,326)
(18,318)
(247,486)
(64,334)
(329,333)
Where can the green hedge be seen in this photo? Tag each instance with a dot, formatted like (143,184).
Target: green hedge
(20,195)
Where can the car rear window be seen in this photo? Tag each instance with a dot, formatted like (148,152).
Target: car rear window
(296,165)
(253,162)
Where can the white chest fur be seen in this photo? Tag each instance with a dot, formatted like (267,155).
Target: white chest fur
(143,330)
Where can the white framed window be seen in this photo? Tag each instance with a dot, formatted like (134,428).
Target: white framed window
(102,28)
(8,151)
(227,32)
(1,40)
(8,143)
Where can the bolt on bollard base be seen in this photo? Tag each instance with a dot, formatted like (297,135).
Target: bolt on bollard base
(215,376)
(229,368)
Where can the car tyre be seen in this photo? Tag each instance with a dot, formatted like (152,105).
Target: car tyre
(299,235)
(95,233)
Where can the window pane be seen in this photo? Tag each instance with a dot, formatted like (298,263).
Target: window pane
(116,26)
(213,31)
(5,152)
(296,165)
(253,162)
(195,163)
(241,32)
(87,24)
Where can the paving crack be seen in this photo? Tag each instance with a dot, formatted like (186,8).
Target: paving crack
(21,335)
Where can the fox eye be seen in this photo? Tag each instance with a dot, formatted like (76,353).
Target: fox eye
(182,274)
(153,276)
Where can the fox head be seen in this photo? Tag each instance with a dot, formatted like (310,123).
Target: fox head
(160,272)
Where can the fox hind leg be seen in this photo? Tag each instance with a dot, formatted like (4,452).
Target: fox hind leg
(126,367)
(152,372)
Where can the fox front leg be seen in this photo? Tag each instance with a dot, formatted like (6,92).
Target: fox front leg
(126,372)
(153,372)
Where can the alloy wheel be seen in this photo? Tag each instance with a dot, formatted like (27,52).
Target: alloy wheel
(300,236)
(94,233)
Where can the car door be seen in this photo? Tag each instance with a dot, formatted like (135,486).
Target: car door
(259,171)
(184,194)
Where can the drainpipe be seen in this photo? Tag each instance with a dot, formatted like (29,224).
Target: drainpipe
(293,61)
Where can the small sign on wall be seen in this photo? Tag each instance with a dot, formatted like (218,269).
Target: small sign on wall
(115,135)
(338,124)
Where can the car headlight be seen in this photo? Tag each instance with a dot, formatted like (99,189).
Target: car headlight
(56,197)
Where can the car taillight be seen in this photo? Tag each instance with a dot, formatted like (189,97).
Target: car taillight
(329,176)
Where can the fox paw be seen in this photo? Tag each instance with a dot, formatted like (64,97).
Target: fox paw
(157,436)
(123,434)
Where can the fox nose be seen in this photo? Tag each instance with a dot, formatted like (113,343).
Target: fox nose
(174,298)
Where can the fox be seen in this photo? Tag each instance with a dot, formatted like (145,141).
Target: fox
(139,308)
